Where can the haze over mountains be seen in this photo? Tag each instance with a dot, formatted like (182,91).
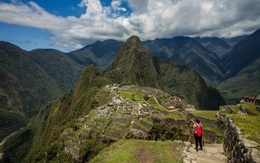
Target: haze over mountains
(29,79)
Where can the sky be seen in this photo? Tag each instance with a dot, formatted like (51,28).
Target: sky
(68,25)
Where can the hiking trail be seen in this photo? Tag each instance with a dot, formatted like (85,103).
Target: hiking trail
(212,153)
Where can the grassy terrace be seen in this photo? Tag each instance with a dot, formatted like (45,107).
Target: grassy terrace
(235,108)
(173,115)
(251,107)
(138,95)
(132,96)
(135,150)
(249,124)
(210,114)
(213,129)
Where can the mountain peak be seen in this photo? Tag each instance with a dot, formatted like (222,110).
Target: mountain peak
(134,39)
(134,64)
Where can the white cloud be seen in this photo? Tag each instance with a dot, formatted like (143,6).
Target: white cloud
(30,15)
(150,19)
(116,5)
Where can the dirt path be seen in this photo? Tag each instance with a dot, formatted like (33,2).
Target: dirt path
(212,153)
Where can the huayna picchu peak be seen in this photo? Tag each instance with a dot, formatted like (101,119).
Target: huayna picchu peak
(134,64)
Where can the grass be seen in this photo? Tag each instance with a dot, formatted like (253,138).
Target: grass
(172,115)
(145,120)
(210,114)
(131,96)
(213,129)
(134,151)
(138,95)
(251,108)
(153,103)
(249,125)
(235,108)
(176,116)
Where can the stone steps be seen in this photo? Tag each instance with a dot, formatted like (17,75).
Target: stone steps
(212,153)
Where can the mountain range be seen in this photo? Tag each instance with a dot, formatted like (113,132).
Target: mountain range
(29,79)
(134,94)
(220,61)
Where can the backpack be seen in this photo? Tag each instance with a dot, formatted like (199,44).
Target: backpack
(198,130)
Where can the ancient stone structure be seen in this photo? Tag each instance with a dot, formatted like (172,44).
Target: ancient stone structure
(236,146)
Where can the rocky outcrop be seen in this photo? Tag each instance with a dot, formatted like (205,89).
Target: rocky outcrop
(236,146)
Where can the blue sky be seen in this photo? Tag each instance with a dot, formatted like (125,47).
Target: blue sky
(71,24)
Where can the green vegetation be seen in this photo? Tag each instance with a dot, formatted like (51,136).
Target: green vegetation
(204,113)
(153,103)
(250,108)
(249,125)
(177,116)
(135,151)
(10,122)
(172,115)
(131,96)
(235,108)
(18,146)
(248,121)
(29,80)
(213,129)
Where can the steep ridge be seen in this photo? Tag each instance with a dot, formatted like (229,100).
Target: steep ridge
(21,91)
(242,55)
(29,80)
(56,64)
(133,65)
(214,44)
(187,51)
(242,66)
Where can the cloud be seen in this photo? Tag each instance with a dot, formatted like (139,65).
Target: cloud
(30,15)
(148,19)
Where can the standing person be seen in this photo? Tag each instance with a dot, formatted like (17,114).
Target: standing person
(197,128)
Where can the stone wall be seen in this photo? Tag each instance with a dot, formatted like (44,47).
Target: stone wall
(237,148)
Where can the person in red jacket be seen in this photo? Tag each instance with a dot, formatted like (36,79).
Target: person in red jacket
(197,130)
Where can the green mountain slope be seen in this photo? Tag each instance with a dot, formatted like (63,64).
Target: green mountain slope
(217,45)
(133,65)
(246,83)
(242,69)
(57,65)
(28,81)
(242,55)
(187,51)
